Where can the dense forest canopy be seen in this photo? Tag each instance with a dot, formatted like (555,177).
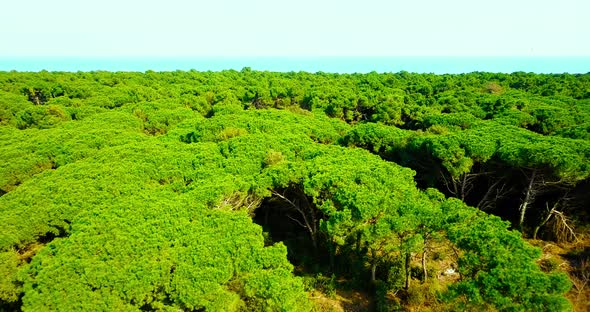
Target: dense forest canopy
(246,190)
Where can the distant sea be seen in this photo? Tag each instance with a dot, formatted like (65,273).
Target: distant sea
(436,65)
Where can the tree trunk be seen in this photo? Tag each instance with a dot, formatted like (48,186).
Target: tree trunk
(313,225)
(332,252)
(425,272)
(314,241)
(373,262)
(463,186)
(424,255)
(528,199)
(358,243)
(549,215)
(408,272)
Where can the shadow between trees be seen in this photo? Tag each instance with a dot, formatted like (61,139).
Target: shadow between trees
(291,217)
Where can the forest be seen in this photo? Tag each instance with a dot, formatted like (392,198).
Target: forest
(265,191)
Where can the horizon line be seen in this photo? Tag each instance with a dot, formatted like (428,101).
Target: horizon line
(282,56)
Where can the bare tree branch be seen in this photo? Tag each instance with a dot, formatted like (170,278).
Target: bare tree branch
(563,231)
(486,202)
(311,227)
(296,221)
(549,215)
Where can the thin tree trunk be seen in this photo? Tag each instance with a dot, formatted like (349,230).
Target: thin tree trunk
(464,187)
(373,261)
(314,224)
(407,271)
(424,255)
(332,252)
(425,272)
(549,215)
(358,243)
(455,188)
(529,195)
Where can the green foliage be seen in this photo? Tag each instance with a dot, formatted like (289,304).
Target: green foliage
(10,286)
(549,264)
(498,267)
(127,191)
(324,284)
(460,120)
(230,132)
(273,158)
(33,151)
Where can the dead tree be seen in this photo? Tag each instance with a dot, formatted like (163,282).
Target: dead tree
(560,224)
(562,228)
(541,183)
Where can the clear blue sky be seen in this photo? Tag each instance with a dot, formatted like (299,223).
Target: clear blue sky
(115,28)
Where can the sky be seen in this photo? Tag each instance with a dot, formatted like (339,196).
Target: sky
(185,28)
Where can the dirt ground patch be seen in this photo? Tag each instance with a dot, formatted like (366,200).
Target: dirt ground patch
(343,301)
(574,259)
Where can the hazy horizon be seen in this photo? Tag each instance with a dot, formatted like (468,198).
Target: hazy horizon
(437,65)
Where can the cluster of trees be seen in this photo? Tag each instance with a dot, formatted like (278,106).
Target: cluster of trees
(192,190)
(497,168)
(547,104)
